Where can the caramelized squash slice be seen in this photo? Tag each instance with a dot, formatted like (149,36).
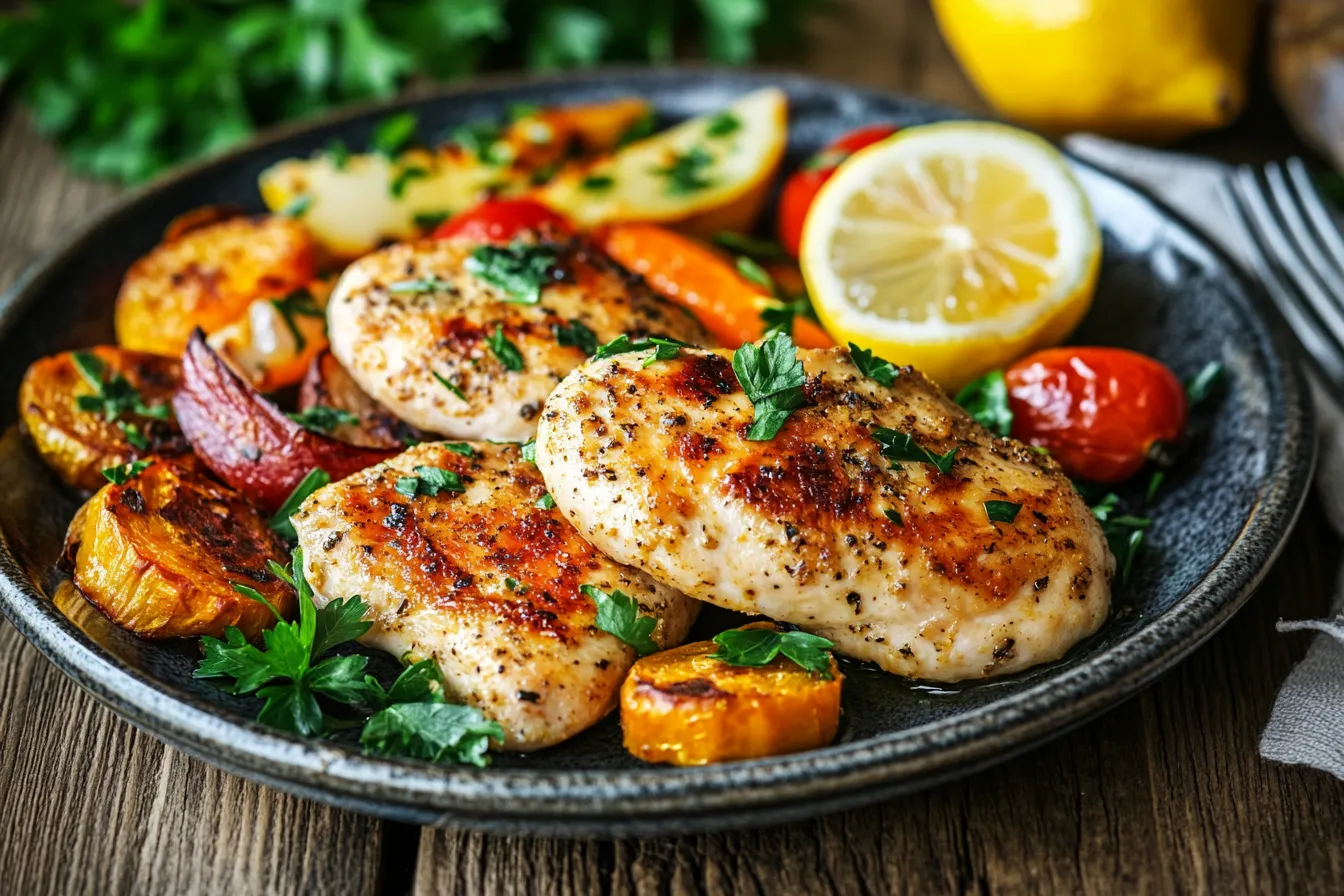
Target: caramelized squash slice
(207,276)
(683,707)
(78,442)
(159,555)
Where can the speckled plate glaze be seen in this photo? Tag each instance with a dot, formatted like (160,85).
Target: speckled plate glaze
(1222,517)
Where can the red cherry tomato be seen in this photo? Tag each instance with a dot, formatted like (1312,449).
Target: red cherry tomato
(499,220)
(801,188)
(1098,411)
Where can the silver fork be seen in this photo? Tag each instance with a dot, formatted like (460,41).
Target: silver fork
(1295,248)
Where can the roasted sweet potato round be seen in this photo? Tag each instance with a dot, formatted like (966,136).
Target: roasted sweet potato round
(207,276)
(683,707)
(79,442)
(159,555)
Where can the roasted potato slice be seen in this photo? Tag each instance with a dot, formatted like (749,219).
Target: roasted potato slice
(160,553)
(683,707)
(207,276)
(79,443)
(357,201)
(276,339)
(706,175)
(329,385)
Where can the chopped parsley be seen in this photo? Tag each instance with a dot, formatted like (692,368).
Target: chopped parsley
(778,317)
(137,439)
(773,378)
(429,481)
(448,384)
(314,480)
(425,284)
(520,270)
(123,473)
(686,173)
(1124,532)
(1203,384)
(597,183)
(481,139)
(322,418)
(756,274)
(112,396)
(403,178)
(545,502)
(507,353)
(577,334)
(1002,511)
(722,125)
(872,366)
(514,585)
(297,207)
(639,129)
(461,448)
(743,244)
(664,348)
(528,450)
(901,447)
(430,220)
(299,303)
(986,399)
(894,516)
(760,646)
(394,133)
(1154,483)
(618,614)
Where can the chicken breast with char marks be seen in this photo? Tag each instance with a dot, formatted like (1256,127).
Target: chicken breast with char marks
(897,563)
(414,325)
(486,583)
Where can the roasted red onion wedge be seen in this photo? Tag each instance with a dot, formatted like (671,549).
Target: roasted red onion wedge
(246,440)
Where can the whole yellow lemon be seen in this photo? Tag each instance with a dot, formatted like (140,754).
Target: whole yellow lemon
(1135,69)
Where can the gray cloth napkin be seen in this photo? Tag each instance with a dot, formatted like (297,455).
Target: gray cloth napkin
(1306,726)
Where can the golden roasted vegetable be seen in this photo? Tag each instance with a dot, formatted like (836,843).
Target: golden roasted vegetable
(277,337)
(159,555)
(684,707)
(354,202)
(110,428)
(206,276)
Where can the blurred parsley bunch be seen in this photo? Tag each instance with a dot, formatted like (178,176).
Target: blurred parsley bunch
(128,89)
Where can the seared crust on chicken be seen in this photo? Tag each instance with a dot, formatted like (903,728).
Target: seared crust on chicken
(487,583)
(895,562)
(402,344)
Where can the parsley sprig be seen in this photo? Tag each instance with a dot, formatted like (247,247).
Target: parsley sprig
(299,303)
(314,480)
(901,447)
(760,646)
(520,270)
(687,172)
(618,614)
(293,677)
(120,475)
(773,378)
(508,355)
(986,399)
(112,396)
(430,481)
(323,418)
(577,334)
(872,366)
(664,348)
(1124,532)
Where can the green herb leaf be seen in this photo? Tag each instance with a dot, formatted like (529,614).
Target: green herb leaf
(425,284)
(323,419)
(1203,384)
(759,647)
(528,450)
(521,270)
(338,622)
(641,128)
(778,317)
(448,384)
(432,731)
(299,303)
(756,274)
(755,247)
(1124,533)
(314,480)
(338,153)
(1154,484)
(111,397)
(429,221)
(403,178)
(545,502)
(134,436)
(461,448)
(122,474)
(394,133)
(773,378)
(507,353)
(665,349)
(894,516)
(686,173)
(297,207)
(986,399)
(873,367)
(723,125)
(479,138)
(597,183)
(618,614)
(901,447)
(430,481)
(1002,511)
(577,334)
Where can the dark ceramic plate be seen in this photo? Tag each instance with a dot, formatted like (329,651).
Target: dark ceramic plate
(1222,517)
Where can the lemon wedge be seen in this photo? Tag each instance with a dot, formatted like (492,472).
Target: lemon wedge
(954,247)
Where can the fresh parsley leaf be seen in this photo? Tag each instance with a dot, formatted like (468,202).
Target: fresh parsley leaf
(755,247)
(986,399)
(314,480)
(1002,511)
(337,152)
(520,270)
(448,384)
(1154,484)
(461,448)
(514,585)
(430,220)
(756,274)
(424,284)
(431,731)
(597,183)
(642,127)
(291,707)
(773,378)
(134,436)
(1124,533)
(430,481)
(528,450)
(112,397)
(507,353)
(122,474)
(417,683)
(545,502)
(479,138)
(297,207)
(342,679)
(665,348)
(618,614)
(760,646)
(338,622)
(394,133)
(686,172)
(577,334)
(722,125)
(894,516)
(397,186)
(323,419)
(873,367)
(1203,384)
(299,303)
(778,317)
(901,447)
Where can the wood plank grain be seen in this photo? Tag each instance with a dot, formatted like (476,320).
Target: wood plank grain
(89,804)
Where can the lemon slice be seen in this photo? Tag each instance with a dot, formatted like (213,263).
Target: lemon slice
(953,247)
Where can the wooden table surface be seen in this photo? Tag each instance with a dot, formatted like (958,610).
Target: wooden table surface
(1166,793)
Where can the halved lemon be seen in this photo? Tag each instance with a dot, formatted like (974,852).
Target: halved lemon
(952,247)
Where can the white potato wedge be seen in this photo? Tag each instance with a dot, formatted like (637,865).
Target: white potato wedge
(706,175)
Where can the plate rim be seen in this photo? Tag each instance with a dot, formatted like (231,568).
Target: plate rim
(677,800)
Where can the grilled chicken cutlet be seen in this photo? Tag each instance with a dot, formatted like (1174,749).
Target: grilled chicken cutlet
(467,339)
(894,561)
(483,580)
